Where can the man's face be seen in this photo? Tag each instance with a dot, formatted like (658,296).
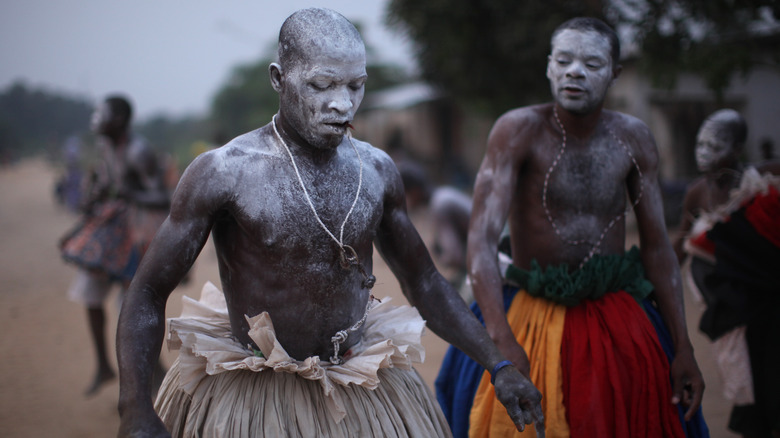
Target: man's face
(322,93)
(580,70)
(714,148)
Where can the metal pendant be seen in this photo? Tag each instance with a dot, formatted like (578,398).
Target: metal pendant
(368,282)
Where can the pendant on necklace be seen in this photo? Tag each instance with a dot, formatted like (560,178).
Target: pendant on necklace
(348,258)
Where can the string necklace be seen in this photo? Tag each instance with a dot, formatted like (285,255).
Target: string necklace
(614,220)
(348,255)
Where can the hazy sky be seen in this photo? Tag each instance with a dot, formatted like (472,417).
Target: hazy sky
(167,55)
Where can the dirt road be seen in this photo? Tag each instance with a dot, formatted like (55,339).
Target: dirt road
(47,357)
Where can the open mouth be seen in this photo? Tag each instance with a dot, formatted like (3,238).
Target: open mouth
(573,89)
(340,125)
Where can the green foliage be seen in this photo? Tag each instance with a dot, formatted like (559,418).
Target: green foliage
(715,39)
(246,102)
(179,138)
(489,54)
(34,120)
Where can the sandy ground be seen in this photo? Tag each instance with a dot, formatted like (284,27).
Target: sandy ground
(47,358)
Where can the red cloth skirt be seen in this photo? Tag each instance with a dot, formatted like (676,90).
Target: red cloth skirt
(616,376)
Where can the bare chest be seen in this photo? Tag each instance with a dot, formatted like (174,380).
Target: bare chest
(585,178)
(284,213)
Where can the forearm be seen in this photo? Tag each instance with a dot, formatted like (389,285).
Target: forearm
(140,334)
(447,315)
(663,271)
(487,285)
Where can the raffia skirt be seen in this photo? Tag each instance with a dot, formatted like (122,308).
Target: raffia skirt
(217,388)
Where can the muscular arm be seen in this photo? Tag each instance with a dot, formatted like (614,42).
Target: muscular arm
(142,319)
(663,270)
(495,184)
(440,305)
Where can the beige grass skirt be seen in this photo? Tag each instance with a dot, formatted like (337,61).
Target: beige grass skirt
(217,388)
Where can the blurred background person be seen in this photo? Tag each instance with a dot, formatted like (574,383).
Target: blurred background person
(449,211)
(729,245)
(124,202)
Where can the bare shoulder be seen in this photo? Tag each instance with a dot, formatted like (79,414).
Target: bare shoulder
(515,125)
(634,134)
(385,177)
(372,153)
(224,166)
(628,126)
(377,159)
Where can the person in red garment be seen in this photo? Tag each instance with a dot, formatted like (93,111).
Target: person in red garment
(588,318)
(729,245)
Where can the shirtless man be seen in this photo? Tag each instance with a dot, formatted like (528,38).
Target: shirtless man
(125,201)
(560,172)
(725,249)
(294,209)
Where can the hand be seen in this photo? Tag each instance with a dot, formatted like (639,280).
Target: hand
(142,424)
(687,382)
(520,398)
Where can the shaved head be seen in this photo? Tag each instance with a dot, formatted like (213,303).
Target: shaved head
(731,125)
(309,30)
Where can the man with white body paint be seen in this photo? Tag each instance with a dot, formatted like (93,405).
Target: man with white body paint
(297,345)
(575,321)
(729,228)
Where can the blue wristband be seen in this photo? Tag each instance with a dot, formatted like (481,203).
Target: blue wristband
(502,364)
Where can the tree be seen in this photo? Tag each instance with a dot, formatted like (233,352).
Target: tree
(246,101)
(491,54)
(715,39)
(488,54)
(38,120)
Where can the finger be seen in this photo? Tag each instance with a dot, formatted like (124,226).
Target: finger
(517,415)
(698,392)
(528,416)
(688,395)
(539,430)
(677,390)
(539,415)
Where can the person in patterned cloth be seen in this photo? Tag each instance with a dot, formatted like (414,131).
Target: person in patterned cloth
(124,202)
(295,344)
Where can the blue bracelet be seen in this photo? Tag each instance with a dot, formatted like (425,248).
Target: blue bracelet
(502,364)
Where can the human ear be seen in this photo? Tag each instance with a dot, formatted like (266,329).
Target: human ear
(616,73)
(549,66)
(275,72)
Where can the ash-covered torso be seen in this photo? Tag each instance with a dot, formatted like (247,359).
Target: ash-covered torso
(273,255)
(586,191)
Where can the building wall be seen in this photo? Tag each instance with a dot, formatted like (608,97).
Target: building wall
(437,134)
(674,116)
